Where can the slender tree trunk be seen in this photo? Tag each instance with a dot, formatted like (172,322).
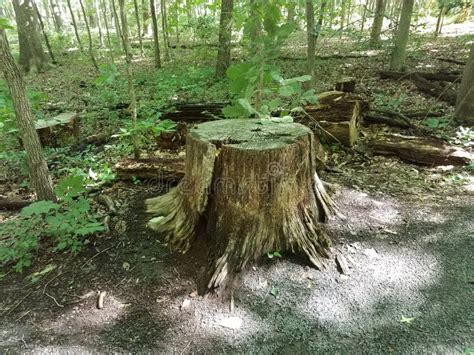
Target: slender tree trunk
(74,24)
(439,23)
(99,22)
(29,37)
(319,25)
(91,49)
(225,37)
(107,31)
(118,30)
(58,22)
(376,30)
(139,27)
(156,40)
(399,52)
(38,168)
(465,101)
(364,17)
(311,38)
(45,34)
(146,18)
(131,87)
(166,43)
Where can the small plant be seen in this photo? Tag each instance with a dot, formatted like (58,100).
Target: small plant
(62,225)
(433,122)
(273,254)
(464,136)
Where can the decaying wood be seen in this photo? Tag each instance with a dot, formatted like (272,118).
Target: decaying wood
(421,150)
(339,116)
(59,130)
(450,77)
(13,205)
(385,119)
(346,85)
(248,189)
(195,113)
(454,61)
(342,264)
(167,169)
(175,139)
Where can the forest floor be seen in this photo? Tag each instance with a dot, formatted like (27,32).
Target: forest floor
(407,235)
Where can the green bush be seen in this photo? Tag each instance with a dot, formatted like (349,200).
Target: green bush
(62,226)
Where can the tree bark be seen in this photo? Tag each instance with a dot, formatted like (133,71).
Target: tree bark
(156,40)
(29,37)
(91,49)
(74,24)
(107,31)
(311,48)
(244,197)
(465,99)
(45,34)
(118,30)
(377,24)
(397,61)
(38,169)
(99,22)
(164,27)
(225,37)
(139,27)
(131,87)
(58,22)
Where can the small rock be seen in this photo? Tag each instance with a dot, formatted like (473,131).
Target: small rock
(186,303)
(371,253)
(193,294)
(231,322)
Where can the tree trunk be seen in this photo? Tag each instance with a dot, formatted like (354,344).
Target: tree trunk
(91,49)
(39,173)
(225,37)
(29,37)
(397,61)
(45,34)
(439,23)
(74,24)
(465,100)
(364,17)
(139,27)
(107,31)
(146,19)
(311,38)
(156,40)
(131,87)
(164,27)
(58,22)
(242,196)
(99,22)
(319,25)
(376,30)
(118,30)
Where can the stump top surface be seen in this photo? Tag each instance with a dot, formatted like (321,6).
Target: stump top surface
(63,118)
(249,133)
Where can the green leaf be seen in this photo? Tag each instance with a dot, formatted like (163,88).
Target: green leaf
(38,208)
(246,106)
(233,111)
(406,320)
(275,291)
(298,79)
(70,187)
(5,24)
(287,91)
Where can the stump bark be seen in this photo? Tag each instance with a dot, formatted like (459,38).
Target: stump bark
(249,188)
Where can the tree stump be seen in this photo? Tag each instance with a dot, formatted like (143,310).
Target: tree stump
(58,131)
(249,188)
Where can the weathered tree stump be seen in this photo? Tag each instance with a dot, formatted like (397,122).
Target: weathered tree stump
(60,130)
(249,188)
(339,116)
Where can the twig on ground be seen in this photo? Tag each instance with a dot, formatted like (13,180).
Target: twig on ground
(96,255)
(54,299)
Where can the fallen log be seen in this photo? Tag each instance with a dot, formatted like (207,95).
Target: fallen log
(13,205)
(337,115)
(383,119)
(346,85)
(443,93)
(59,130)
(196,112)
(449,60)
(166,169)
(450,77)
(421,150)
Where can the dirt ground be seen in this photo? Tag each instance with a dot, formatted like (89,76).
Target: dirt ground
(409,291)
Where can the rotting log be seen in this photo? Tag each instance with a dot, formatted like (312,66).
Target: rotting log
(163,169)
(13,205)
(174,139)
(59,130)
(196,112)
(450,77)
(346,85)
(249,188)
(421,150)
(338,114)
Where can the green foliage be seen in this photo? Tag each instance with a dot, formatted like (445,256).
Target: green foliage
(62,225)
(464,136)
(5,24)
(433,122)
